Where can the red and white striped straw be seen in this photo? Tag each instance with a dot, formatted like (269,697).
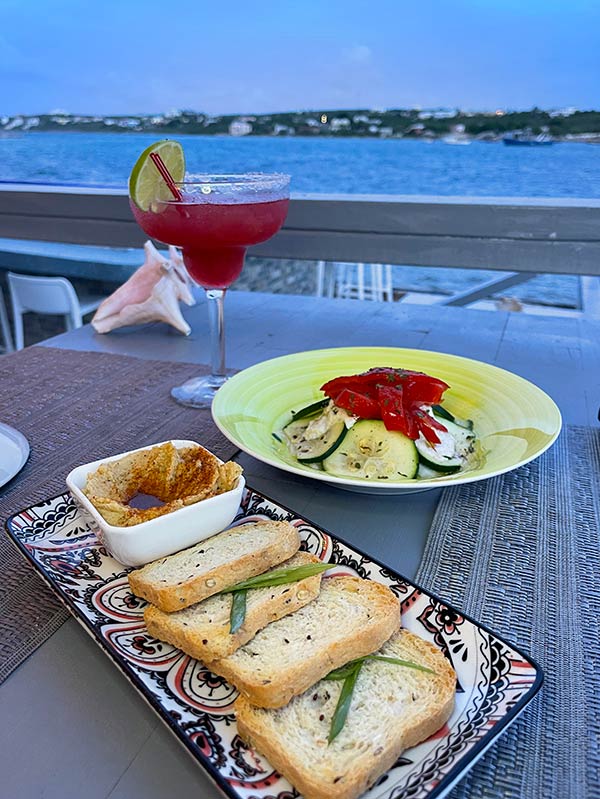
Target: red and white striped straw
(166,175)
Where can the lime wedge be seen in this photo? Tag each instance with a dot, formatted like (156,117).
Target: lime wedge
(146,184)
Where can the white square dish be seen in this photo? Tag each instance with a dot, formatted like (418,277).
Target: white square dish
(164,535)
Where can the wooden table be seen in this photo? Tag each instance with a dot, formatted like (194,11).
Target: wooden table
(72,725)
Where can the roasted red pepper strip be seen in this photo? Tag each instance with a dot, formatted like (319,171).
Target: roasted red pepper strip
(424,392)
(367,381)
(428,425)
(334,387)
(433,422)
(420,383)
(393,413)
(358,404)
(394,395)
(339,384)
(385,376)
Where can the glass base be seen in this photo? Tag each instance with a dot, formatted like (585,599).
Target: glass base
(199,391)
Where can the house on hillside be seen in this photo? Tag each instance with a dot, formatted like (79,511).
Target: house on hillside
(240,127)
(339,123)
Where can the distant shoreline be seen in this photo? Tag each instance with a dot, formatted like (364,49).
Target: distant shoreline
(588,139)
(456,127)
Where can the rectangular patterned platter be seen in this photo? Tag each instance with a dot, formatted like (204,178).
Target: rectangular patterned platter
(495,681)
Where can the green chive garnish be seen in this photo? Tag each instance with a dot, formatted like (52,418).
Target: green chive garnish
(348,673)
(408,663)
(343,705)
(238,611)
(279,577)
(344,671)
(267,580)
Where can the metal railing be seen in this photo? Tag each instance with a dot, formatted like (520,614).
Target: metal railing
(521,235)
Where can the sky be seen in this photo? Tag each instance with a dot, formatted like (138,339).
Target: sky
(261,56)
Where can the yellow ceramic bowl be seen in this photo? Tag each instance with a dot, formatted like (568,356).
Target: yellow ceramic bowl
(514,420)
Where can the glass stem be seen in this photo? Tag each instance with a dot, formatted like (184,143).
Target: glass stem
(216,325)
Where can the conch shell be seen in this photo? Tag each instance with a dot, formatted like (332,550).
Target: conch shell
(151,294)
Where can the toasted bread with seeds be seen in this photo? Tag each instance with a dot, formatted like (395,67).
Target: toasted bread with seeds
(392,708)
(203,570)
(203,630)
(350,618)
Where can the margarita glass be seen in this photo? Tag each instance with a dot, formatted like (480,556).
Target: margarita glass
(217,218)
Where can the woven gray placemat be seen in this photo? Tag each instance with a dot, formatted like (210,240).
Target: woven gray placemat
(521,553)
(75,407)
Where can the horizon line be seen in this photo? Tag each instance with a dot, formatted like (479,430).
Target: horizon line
(319,110)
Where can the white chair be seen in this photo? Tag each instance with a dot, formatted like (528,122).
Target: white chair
(384,282)
(47,295)
(355,281)
(4,326)
(325,279)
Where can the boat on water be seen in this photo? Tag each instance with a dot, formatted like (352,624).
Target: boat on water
(456,138)
(525,138)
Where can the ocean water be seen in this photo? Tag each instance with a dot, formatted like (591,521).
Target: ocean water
(346,166)
(349,166)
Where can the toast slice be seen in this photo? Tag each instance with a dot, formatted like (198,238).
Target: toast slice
(202,630)
(194,574)
(350,618)
(392,708)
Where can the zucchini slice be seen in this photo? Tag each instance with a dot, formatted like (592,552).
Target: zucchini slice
(450,454)
(311,410)
(442,457)
(427,473)
(430,456)
(371,452)
(463,436)
(314,450)
(444,415)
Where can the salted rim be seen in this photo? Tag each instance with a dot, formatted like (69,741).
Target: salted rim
(242,179)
